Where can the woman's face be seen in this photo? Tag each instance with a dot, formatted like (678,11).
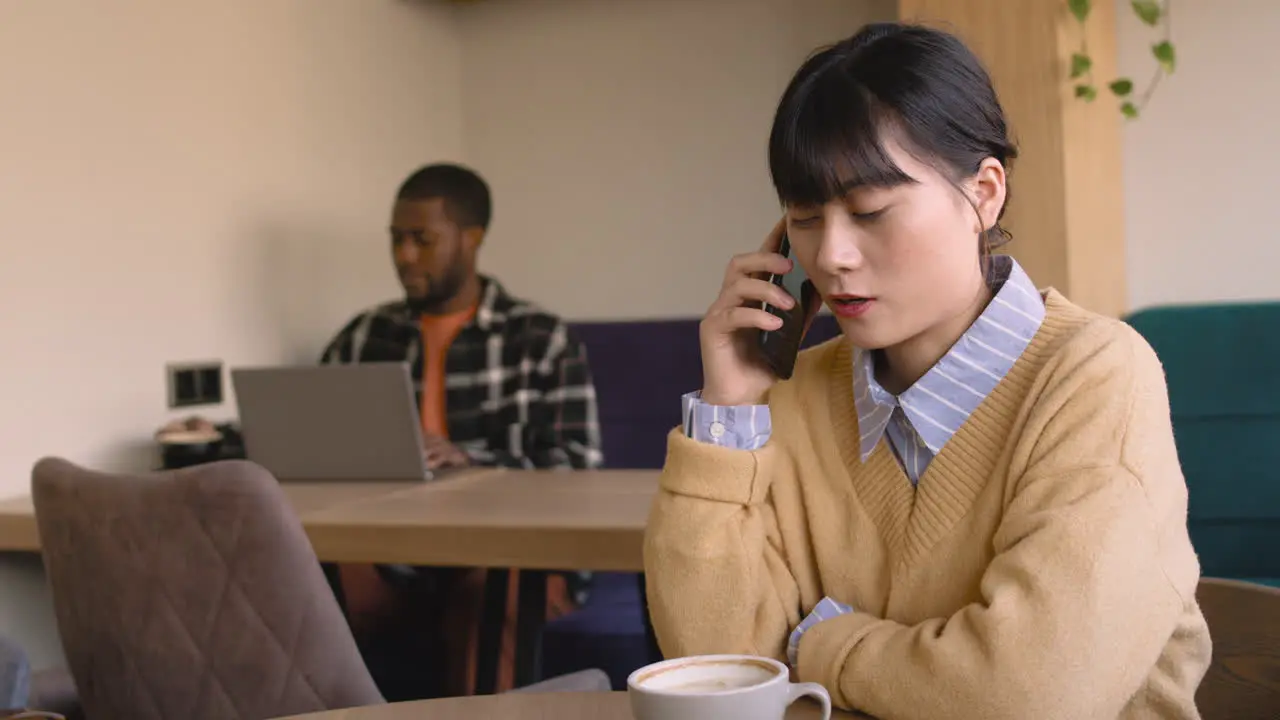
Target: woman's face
(894,264)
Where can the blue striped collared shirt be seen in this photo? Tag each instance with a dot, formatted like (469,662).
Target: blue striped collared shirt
(926,415)
(742,427)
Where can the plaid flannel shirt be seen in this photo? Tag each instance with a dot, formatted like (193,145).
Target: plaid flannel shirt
(518,390)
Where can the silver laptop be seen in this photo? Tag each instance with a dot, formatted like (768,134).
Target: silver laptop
(331,422)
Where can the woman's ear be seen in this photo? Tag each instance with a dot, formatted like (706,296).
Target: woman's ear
(989,191)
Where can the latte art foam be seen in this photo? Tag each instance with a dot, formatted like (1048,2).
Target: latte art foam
(697,678)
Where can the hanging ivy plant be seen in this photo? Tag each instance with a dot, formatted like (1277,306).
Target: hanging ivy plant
(1152,13)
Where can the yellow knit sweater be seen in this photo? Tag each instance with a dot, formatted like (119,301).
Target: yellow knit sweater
(1041,570)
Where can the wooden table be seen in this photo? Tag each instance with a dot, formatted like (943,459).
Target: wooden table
(523,706)
(535,519)
(538,519)
(18,531)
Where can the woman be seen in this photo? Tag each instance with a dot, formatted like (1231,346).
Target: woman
(970,505)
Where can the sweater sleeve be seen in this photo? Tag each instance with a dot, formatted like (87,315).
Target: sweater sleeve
(1092,573)
(716,578)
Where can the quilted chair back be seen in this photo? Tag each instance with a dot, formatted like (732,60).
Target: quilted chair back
(192,594)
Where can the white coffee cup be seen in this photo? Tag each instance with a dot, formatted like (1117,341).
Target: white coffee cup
(710,687)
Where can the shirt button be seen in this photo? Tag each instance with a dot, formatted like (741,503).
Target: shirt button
(717,429)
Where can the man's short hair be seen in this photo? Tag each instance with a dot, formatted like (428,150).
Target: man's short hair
(465,193)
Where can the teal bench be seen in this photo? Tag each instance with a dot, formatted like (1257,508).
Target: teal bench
(1222,363)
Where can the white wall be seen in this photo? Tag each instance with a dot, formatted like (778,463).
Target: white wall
(626,140)
(191,180)
(1201,194)
(184,180)
(210,180)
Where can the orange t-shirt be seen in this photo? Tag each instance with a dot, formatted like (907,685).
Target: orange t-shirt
(438,332)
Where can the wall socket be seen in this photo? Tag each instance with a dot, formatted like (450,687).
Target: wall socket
(194,383)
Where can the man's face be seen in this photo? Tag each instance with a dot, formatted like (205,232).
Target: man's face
(430,252)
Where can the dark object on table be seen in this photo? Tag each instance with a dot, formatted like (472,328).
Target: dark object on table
(196,441)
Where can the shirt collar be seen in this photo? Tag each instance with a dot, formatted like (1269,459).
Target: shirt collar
(944,398)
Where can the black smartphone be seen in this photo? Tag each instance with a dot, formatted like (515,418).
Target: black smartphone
(780,347)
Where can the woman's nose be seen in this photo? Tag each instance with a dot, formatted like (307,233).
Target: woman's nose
(840,251)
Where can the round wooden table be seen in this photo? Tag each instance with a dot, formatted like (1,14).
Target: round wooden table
(521,706)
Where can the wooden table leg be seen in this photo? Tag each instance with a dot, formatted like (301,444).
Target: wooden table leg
(531,618)
(489,645)
(334,577)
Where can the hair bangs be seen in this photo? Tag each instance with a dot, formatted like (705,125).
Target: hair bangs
(828,138)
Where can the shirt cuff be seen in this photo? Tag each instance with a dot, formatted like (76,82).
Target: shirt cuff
(739,427)
(824,610)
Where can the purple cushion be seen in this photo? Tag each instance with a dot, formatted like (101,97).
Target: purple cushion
(641,368)
(607,633)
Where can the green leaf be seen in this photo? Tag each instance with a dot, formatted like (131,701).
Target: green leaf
(1079,8)
(1148,11)
(1164,53)
(1087,92)
(1080,64)
(1121,87)
(1129,110)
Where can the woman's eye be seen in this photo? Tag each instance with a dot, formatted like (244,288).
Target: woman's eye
(806,222)
(867,216)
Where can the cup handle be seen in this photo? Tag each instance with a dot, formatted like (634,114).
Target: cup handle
(813,690)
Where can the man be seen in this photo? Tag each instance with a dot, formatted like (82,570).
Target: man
(499,382)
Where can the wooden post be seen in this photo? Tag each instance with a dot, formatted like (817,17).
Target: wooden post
(1066,212)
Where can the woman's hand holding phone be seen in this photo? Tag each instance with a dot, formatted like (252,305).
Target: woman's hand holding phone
(732,371)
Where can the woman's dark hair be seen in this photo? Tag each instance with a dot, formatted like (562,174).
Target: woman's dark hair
(921,85)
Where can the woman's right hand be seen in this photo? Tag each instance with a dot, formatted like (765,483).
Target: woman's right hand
(732,371)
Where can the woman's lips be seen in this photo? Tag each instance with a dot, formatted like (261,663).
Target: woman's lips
(849,306)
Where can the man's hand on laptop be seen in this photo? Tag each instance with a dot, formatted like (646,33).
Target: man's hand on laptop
(440,453)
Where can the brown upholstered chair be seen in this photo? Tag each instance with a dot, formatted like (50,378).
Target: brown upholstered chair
(1243,682)
(192,594)
(195,593)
